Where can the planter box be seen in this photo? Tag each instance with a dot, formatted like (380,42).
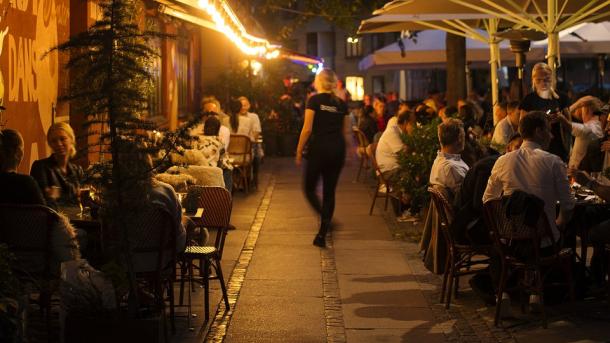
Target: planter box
(118,329)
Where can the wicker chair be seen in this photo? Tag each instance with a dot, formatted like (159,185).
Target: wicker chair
(27,229)
(240,150)
(381,180)
(363,142)
(460,257)
(509,229)
(217,205)
(151,233)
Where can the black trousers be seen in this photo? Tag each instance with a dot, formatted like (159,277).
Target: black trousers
(323,161)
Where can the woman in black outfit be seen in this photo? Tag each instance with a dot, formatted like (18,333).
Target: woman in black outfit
(58,178)
(325,126)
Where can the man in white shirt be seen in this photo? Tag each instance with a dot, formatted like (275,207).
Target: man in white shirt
(533,170)
(507,127)
(390,144)
(587,110)
(448,169)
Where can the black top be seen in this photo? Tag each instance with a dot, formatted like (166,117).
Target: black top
(19,189)
(328,120)
(47,173)
(532,102)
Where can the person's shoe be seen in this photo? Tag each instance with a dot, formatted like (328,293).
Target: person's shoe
(505,310)
(319,241)
(535,304)
(407,216)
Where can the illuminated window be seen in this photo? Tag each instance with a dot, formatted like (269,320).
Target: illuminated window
(355,87)
(353,47)
(155,95)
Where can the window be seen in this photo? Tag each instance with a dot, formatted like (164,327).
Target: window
(378,84)
(377,41)
(312,43)
(353,47)
(154,99)
(355,87)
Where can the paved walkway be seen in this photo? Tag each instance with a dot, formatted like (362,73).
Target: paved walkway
(368,286)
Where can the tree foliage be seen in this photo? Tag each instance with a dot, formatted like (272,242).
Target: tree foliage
(346,14)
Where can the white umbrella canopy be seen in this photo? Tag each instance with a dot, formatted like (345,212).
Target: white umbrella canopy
(587,38)
(429,51)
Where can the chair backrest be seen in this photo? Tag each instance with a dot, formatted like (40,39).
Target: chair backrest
(363,142)
(151,233)
(514,227)
(26,229)
(217,205)
(240,149)
(440,199)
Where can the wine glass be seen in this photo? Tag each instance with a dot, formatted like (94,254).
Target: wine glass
(83,195)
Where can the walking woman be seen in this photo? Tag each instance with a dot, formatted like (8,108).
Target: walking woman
(324,130)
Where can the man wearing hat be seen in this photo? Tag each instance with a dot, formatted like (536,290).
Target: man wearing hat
(586,109)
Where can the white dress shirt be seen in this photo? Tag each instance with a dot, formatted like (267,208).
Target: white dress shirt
(388,147)
(537,172)
(256,123)
(503,132)
(585,134)
(448,170)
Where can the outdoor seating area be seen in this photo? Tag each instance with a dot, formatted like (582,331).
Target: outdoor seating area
(304,171)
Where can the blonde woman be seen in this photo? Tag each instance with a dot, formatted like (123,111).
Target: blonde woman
(58,178)
(544,98)
(324,130)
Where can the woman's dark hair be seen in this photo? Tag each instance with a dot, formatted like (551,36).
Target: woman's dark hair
(467,114)
(11,149)
(211,127)
(234,108)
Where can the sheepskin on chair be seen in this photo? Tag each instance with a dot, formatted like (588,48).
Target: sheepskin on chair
(204,176)
(176,180)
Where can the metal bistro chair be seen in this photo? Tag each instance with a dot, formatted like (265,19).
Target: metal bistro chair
(510,229)
(27,230)
(240,150)
(381,180)
(363,142)
(459,261)
(217,205)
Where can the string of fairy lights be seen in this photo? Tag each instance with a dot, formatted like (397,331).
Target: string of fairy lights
(229,24)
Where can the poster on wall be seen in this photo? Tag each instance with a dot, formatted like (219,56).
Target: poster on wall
(31,79)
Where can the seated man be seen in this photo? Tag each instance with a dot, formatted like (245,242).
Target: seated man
(587,109)
(448,169)
(468,226)
(390,144)
(535,171)
(507,127)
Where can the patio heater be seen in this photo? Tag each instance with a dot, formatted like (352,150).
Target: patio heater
(520,41)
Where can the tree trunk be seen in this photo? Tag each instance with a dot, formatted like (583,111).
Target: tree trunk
(456,68)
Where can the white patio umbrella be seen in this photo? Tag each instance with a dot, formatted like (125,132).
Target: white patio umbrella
(587,38)
(402,15)
(429,50)
(548,16)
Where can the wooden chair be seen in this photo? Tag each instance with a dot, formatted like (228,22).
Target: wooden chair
(27,230)
(460,257)
(217,205)
(381,181)
(509,230)
(240,150)
(363,142)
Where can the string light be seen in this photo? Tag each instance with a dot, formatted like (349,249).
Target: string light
(247,43)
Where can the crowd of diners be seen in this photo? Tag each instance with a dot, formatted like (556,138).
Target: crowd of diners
(538,145)
(56,181)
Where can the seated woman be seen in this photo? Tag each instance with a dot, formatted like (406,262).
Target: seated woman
(16,188)
(57,172)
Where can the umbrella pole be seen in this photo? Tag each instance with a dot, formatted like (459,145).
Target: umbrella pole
(553,38)
(493,65)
